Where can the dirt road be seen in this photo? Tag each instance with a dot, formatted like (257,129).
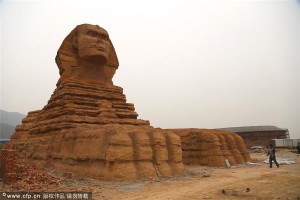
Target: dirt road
(214,183)
(251,181)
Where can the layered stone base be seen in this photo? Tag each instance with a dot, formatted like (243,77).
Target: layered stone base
(107,152)
(90,129)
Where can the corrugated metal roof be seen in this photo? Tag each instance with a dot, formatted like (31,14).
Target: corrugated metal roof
(252,129)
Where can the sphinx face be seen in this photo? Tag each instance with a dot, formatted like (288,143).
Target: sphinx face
(87,54)
(93,44)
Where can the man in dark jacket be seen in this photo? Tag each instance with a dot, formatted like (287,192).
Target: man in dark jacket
(271,154)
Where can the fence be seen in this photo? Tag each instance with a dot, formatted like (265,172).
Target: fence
(285,142)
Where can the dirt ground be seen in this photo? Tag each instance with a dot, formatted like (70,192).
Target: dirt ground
(254,180)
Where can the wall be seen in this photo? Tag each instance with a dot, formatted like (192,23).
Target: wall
(8,165)
(261,138)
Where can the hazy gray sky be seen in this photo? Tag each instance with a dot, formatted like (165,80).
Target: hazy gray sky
(184,64)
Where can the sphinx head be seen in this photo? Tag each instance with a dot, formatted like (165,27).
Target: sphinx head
(87,53)
(92,44)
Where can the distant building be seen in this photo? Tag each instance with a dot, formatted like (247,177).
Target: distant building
(3,141)
(259,135)
(286,143)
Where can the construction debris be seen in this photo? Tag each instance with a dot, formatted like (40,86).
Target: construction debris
(257,149)
(282,161)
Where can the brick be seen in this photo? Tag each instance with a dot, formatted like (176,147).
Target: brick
(8,165)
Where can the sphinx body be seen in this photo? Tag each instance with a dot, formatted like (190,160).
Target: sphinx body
(88,128)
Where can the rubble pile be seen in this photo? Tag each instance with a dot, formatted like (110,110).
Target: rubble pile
(28,177)
(33,176)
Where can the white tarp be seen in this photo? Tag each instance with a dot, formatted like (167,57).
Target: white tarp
(282,161)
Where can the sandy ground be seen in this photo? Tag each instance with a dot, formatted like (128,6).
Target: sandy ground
(249,181)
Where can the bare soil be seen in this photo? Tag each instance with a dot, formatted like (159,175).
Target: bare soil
(249,181)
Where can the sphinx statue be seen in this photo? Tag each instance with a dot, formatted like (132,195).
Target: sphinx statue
(87,127)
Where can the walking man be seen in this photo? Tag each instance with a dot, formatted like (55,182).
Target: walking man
(271,154)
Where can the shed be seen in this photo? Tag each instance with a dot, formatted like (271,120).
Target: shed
(286,143)
(259,135)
